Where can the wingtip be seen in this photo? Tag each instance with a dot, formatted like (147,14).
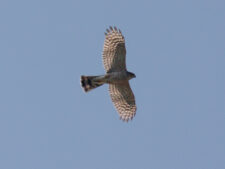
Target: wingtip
(112,29)
(126,119)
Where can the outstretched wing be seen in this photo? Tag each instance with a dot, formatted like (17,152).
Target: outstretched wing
(123,99)
(114,51)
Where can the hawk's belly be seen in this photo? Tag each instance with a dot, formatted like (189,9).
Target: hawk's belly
(116,77)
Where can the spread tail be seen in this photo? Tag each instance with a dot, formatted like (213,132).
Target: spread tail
(90,82)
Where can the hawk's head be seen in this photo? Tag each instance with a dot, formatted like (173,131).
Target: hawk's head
(131,75)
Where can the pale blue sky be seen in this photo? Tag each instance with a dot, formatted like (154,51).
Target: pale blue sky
(176,49)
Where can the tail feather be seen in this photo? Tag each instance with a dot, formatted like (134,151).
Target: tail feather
(89,82)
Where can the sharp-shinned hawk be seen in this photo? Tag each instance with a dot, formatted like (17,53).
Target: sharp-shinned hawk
(117,76)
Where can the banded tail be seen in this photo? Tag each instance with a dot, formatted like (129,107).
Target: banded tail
(90,82)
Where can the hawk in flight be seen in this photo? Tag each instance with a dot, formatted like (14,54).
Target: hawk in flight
(117,76)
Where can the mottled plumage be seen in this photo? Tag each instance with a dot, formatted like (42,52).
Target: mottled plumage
(114,51)
(117,76)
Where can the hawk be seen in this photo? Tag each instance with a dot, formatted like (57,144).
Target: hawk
(117,76)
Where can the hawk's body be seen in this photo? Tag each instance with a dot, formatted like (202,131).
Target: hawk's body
(117,76)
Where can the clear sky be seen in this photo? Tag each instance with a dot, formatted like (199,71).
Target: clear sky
(176,48)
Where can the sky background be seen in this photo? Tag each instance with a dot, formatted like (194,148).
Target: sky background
(176,49)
